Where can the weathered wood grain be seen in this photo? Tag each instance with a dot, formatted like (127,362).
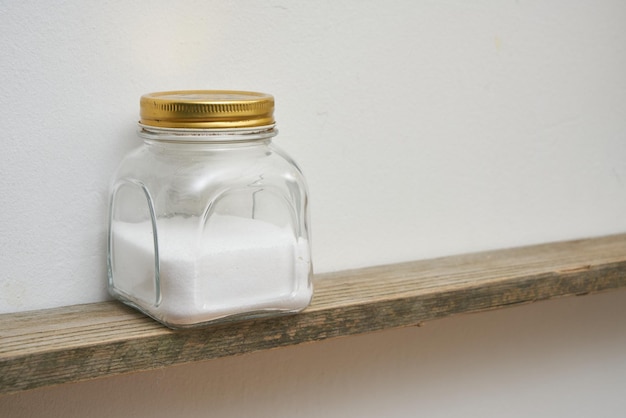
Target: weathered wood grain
(82,342)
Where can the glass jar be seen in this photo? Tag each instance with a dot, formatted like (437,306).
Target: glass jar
(208,219)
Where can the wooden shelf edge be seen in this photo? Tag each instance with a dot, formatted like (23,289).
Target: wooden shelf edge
(81,342)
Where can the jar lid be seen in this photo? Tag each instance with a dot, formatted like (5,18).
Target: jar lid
(202,109)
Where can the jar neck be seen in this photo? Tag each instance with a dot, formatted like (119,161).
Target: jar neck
(208,136)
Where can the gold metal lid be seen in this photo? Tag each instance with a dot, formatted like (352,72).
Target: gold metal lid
(202,109)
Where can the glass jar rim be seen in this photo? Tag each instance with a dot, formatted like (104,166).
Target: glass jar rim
(213,135)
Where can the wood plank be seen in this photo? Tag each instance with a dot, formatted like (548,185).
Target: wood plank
(81,342)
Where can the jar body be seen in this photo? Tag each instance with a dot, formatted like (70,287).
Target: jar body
(208,229)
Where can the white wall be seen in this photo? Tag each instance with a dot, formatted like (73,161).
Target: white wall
(424,129)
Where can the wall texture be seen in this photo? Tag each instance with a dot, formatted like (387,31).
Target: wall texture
(424,128)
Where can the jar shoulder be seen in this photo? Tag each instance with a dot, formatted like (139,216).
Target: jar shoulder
(208,170)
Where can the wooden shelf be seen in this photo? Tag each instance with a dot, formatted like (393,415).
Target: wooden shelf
(75,343)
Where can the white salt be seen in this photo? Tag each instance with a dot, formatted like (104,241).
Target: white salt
(230,266)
